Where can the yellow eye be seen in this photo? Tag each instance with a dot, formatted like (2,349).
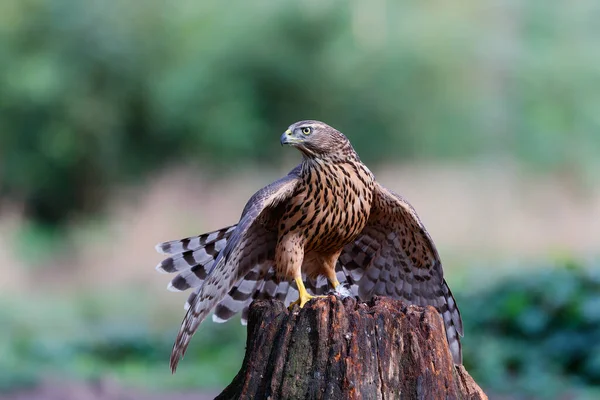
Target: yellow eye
(307,130)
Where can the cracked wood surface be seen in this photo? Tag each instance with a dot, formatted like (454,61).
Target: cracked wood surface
(344,349)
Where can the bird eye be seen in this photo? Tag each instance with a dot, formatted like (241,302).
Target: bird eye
(307,130)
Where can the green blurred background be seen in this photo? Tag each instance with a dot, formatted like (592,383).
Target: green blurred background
(124,123)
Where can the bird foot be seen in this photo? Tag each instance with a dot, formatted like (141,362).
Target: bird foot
(303,299)
(303,295)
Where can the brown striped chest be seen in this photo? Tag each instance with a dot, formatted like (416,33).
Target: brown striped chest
(330,207)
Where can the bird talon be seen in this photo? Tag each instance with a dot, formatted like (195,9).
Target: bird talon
(304,297)
(302,301)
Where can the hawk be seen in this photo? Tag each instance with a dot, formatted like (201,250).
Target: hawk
(327,221)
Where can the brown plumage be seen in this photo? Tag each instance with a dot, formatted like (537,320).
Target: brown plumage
(327,221)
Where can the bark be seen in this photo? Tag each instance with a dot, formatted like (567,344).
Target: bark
(344,349)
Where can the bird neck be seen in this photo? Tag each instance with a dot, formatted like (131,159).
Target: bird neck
(321,162)
(344,154)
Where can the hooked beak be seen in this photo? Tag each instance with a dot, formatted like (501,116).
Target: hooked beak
(287,138)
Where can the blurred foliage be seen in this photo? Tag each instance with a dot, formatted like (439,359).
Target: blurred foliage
(98,92)
(536,333)
(121,336)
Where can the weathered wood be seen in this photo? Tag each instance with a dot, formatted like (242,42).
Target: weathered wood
(344,349)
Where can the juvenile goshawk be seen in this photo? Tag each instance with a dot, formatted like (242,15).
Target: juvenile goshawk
(327,221)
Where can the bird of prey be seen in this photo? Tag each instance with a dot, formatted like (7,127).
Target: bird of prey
(327,221)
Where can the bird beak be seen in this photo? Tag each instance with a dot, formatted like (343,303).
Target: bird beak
(287,138)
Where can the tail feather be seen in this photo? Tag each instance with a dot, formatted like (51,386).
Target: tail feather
(192,277)
(267,290)
(282,291)
(270,288)
(194,242)
(317,286)
(242,293)
(192,257)
(188,259)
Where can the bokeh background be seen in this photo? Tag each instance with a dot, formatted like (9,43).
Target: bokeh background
(125,123)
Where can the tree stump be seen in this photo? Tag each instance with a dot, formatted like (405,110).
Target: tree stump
(344,349)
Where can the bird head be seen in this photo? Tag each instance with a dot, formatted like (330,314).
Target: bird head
(316,139)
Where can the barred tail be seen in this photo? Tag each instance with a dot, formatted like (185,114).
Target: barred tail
(256,282)
(192,257)
(194,242)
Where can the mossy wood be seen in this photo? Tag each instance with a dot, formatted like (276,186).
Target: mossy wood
(344,349)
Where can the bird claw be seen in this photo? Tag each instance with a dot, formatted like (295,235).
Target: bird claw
(303,296)
(302,300)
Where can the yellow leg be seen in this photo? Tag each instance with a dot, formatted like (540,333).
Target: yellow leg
(334,282)
(329,269)
(304,296)
(330,273)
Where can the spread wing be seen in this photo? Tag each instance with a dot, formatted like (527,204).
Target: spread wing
(228,266)
(395,256)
